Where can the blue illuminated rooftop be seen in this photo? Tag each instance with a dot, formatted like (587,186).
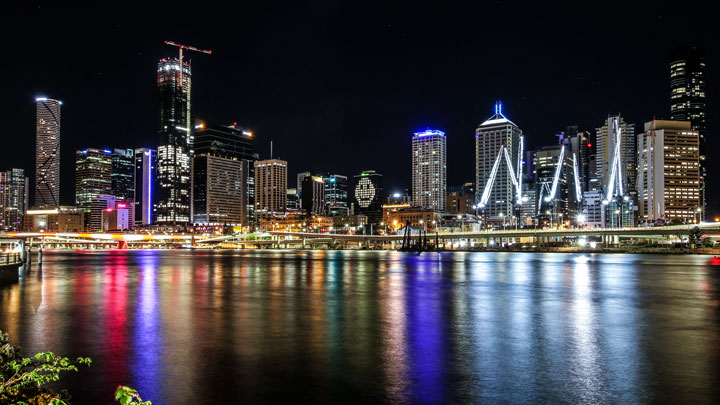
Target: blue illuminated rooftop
(430,132)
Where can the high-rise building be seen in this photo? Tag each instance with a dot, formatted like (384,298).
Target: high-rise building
(687,87)
(313,196)
(336,194)
(145,160)
(223,174)
(552,208)
(669,163)
(605,137)
(219,190)
(687,100)
(293,202)
(300,177)
(93,175)
(123,174)
(13,199)
(175,146)
(580,146)
(429,169)
(369,195)
(47,152)
(621,206)
(461,199)
(489,137)
(270,188)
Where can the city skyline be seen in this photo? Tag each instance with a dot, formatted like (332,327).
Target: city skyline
(303,145)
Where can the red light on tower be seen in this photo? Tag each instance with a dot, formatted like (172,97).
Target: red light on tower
(589,145)
(108,209)
(122,205)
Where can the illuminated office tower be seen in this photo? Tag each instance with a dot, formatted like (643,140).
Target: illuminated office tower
(123,174)
(669,164)
(93,168)
(270,188)
(144,185)
(687,100)
(175,146)
(47,152)
(605,138)
(313,196)
(369,195)
(495,132)
(13,199)
(223,174)
(429,169)
(336,194)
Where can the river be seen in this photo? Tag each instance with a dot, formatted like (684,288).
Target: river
(375,326)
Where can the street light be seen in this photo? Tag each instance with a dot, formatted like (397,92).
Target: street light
(462,223)
(502,215)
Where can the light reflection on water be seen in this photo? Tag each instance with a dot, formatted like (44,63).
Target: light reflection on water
(330,326)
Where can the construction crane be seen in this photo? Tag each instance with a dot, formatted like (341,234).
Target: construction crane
(180,58)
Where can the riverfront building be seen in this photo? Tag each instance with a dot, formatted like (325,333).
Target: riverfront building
(270,188)
(175,143)
(369,195)
(312,200)
(93,175)
(144,179)
(13,199)
(47,152)
(123,173)
(223,175)
(687,100)
(489,137)
(670,173)
(429,169)
(605,137)
(336,194)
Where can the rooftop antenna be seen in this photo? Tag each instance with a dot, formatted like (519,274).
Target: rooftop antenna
(271,151)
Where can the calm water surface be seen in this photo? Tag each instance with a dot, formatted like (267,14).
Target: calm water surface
(358,327)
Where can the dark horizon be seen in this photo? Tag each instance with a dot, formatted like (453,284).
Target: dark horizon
(340,88)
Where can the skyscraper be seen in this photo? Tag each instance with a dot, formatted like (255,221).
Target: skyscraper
(336,194)
(687,99)
(270,188)
(313,196)
(123,174)
(429,169)
(669,164)
(369,195)
(687,87)
(93,175)
(605,138)
(47,152)
(175,146)
(145,161)
(13,199)
(220,148)
(489,137)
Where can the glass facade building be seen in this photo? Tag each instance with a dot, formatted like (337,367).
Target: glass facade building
(123,174)
(223,174)
(13,199)
(176,143)
(144,185)
(93,175)
(429,169)
(47,152)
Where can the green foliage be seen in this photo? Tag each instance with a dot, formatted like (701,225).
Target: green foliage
(128,396)
(695,236)
(22,378)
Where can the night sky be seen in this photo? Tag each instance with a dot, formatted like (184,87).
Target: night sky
(341,86)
